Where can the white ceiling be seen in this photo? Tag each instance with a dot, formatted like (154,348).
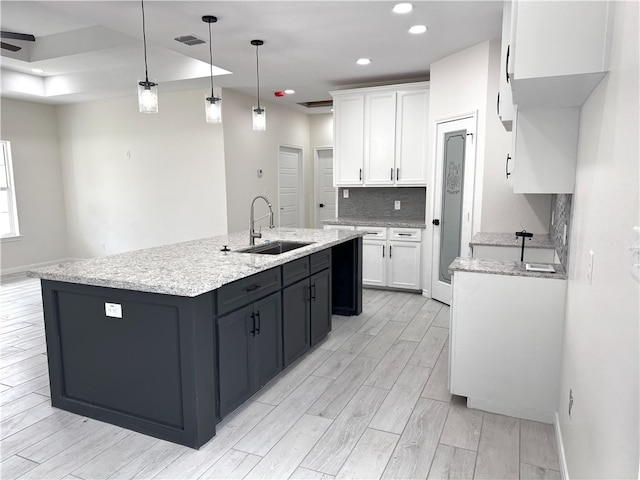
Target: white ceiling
(93,49)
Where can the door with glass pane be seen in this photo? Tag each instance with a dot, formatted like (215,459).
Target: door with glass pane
(453,203)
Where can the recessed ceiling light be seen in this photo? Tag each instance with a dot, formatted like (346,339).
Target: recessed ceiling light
(37,70)
(402,8)
(363,61)
(418,29)
(289,91)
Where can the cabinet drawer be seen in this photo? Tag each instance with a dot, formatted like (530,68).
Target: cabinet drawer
(374,232)
(406,234)
(320,260)
(247,290)
(295,270)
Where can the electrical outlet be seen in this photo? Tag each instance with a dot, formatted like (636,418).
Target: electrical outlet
(103,246)
(570,401)
(128,155)
(396,204)
(113,310)
(345,193)
(590,268)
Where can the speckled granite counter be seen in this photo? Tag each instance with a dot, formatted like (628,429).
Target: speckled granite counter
(376,223)
(502,267)
(510,240)
(190,268)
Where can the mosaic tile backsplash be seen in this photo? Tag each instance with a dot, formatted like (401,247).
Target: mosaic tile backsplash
(561,215)
(377,203)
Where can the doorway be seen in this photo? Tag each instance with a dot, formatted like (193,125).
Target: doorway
(290,187)
(453,199)
(325,192)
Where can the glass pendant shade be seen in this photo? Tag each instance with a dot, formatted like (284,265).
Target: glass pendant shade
(259,119)
(213,109)
(148,97)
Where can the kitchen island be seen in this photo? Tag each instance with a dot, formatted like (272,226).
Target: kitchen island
(168,340)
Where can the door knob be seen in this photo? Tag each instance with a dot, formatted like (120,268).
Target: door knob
(436,221)
(321,205)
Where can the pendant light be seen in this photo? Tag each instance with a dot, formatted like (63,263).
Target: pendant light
(259,113)
(212,104)
(147,91)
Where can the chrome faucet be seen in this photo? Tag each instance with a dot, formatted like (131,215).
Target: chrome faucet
(252,232)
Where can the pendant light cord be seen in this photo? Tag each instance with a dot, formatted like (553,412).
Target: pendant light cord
(211,60)
(144,41)
(258,75)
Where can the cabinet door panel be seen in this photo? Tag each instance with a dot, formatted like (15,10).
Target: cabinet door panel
(348,120)
(404,265)
(379,140)
(320,305)
(373,262)
(411,137)
(268,339)
(295,320)
(235,345)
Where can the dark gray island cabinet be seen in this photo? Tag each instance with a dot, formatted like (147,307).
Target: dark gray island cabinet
(173,366)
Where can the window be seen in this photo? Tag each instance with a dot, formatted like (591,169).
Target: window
(8,211)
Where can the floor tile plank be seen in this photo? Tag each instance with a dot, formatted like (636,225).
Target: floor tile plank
(538,445)
(333,366)
(430,347)
(437,387)
(306,474)
(233,465)
(499,448)
(532,472)
(380,345)
(418,326)
(370,456)
(463,426)
(15,467)
(452,463)
(391,365)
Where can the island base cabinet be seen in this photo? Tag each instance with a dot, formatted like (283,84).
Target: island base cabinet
(249,350)
(320,305)
(142,361)
(296,320)
(506,343)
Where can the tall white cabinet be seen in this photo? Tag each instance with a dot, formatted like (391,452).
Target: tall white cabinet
(381,135)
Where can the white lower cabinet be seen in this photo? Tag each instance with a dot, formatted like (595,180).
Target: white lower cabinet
(506,343)
(391,257)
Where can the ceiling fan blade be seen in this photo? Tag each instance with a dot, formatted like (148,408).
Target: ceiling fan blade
(18,36)
(8,46)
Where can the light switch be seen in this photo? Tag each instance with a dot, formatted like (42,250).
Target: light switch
(396,205)
(113,310)
(345,193)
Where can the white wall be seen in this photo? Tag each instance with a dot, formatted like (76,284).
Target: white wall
(31,128)
(246,151)
(321,130)
(171,189)
(601,361)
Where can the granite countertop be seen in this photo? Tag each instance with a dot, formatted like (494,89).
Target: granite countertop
(510,240)
(189,269)
(359,222)
(503,267)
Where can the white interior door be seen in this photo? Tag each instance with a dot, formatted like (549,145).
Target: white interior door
(453,202)
(290,186)
(325,201)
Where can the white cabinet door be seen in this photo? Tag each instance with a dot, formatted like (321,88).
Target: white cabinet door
(348,123)
(374,262)
(505,99)
(404,265)
(379,138)
(546,148)
(411,137)
(559,51)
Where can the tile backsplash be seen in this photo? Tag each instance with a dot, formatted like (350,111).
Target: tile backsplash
(561,216)
(377,203)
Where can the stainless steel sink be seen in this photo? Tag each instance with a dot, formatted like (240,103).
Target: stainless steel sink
(274,248)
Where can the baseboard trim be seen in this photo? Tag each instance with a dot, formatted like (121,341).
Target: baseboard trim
(562,459)
(23,269)
(426,293)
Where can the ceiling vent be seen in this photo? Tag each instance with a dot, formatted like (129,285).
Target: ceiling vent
(317,104)
(190,40)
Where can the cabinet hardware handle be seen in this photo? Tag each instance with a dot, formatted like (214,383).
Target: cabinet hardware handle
(253,287)
(389,251)
(436,221)
(506,64)
(397,174)
(309,297)
(382,251)
(313,292)
(371,233)
(498,104)
(506,168)
(405,234)
(360,174)
(257,316)
(392,174)
(253,319)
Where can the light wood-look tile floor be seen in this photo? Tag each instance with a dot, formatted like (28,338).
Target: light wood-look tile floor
(370,401)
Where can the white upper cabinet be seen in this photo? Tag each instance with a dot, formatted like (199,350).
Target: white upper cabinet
(381,135)
(348,123)
(505,100)
(558,51)
(411,137)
